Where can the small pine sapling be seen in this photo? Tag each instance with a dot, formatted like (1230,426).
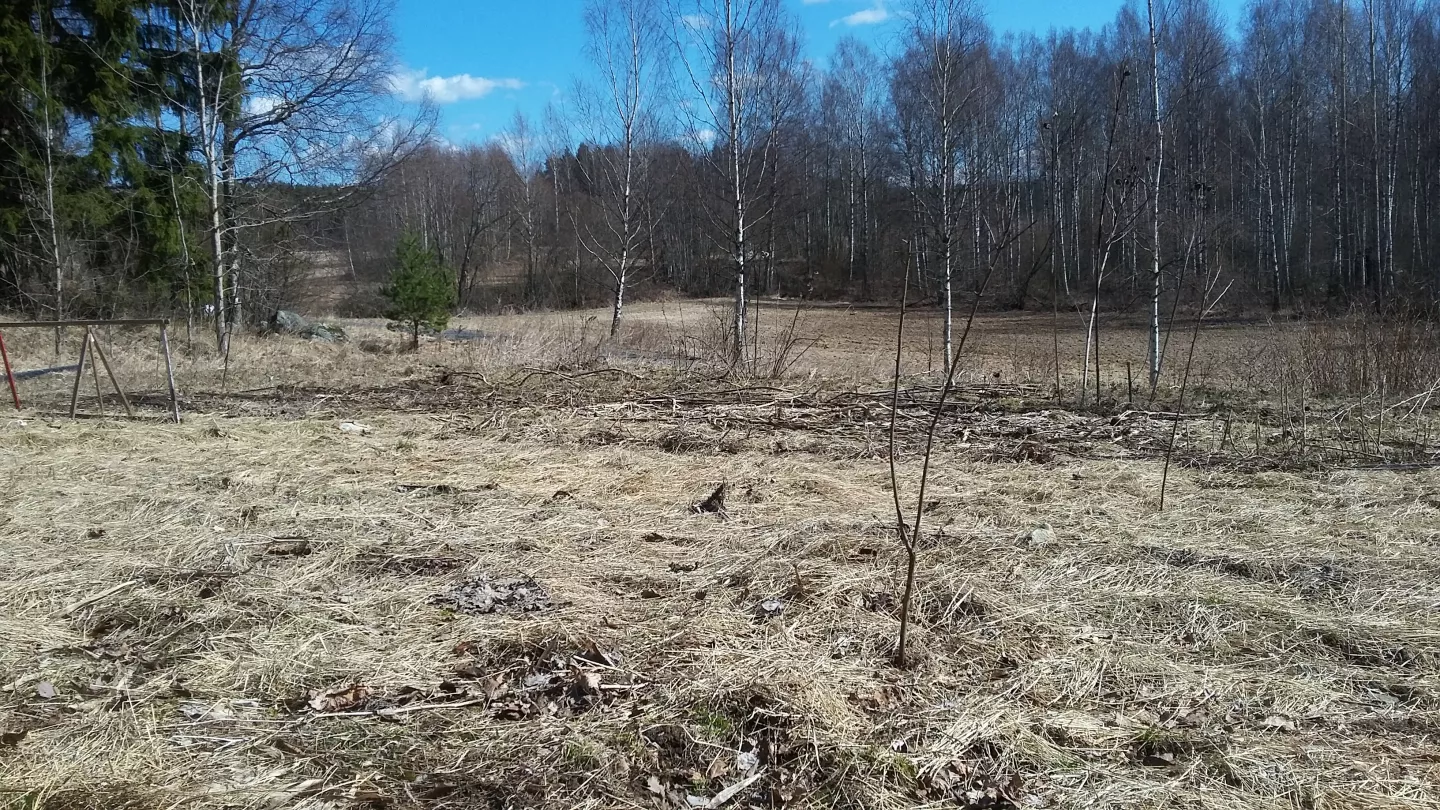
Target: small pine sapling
(421,292)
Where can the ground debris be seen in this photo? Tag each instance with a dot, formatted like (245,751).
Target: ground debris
(339,698)
(769,608)
(410,564)
(715,504)
(1037,615)
(548,681)
(479,595)
(1039,536)
(878,601)
(288,547)
(429,489)
(1312,578)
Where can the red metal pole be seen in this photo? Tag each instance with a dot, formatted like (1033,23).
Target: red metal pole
(9,373)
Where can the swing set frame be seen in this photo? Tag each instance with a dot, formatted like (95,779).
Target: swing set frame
(91,345)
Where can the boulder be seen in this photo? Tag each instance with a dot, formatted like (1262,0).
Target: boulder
(285,322)
(325,333)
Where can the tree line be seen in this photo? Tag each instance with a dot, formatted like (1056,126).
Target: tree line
(173,155)
(186,153)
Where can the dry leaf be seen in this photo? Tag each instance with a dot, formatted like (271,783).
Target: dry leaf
(595,655)
(714,504)
(1278,722)
(288,547)
(587,681)
(718,768)
(471,670)
(339,698)
(513,711)
(770,608)
(495,687)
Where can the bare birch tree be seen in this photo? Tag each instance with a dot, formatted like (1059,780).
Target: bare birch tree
(941,40)
(620,119)
(293,93)
(731,51)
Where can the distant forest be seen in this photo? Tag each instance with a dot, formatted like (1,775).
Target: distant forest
(208,156)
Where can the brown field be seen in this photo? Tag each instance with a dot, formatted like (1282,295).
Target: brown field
(495,592)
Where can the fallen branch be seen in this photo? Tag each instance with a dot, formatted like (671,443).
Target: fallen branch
(573,377)
(399,710)
(1162,415)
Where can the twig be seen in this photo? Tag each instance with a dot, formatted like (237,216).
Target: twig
(906,539)
(573,377)
(729,793)
(1161,415)
(399,710)
(90,600)
(1205,309)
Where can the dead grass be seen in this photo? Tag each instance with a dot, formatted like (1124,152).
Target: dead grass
(283,637)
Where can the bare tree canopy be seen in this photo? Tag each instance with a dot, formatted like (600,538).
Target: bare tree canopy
(256,146)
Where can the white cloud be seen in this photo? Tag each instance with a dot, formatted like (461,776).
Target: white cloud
(413,85)
(705,138)
(874,15)
(695,22)
(261,105)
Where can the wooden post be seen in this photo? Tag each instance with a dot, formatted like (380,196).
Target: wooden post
(9,373)
(120,322)
(111,372)
(95,370)
(79,375)
(169,371)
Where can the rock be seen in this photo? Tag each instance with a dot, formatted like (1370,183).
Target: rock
(285,322)
(325,333)
(1038,536)
(288,323)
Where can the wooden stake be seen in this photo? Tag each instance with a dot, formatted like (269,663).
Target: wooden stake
(170,372)
(95,372)
(9,373)
(79,375)
(113,381)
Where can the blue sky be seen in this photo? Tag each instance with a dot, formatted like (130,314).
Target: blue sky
(483,59)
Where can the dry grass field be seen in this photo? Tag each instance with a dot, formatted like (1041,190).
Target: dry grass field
(472,576)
